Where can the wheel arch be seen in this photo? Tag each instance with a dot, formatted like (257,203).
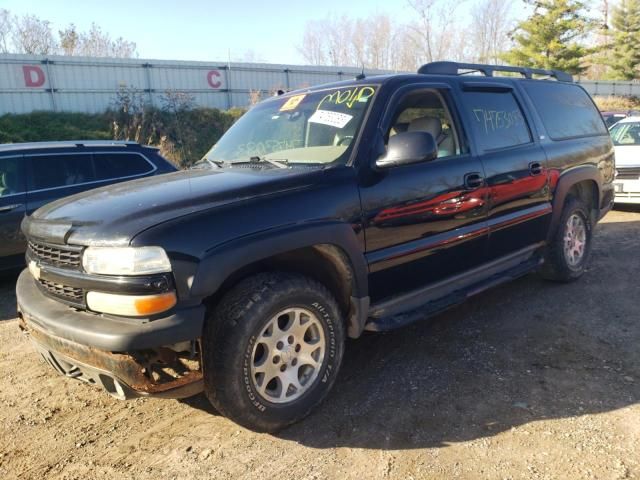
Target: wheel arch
(329,253)
(585,182)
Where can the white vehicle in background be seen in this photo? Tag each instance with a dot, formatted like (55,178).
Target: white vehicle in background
(626,140)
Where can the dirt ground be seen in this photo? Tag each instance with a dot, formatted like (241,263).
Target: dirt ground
(529,380)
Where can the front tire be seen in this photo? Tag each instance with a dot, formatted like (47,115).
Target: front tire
(568,253)
(272,349)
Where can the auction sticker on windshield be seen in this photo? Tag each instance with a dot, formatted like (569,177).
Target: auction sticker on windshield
(333,119)
(292,103)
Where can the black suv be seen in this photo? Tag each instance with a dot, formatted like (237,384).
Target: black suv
(322,213)
(33,174)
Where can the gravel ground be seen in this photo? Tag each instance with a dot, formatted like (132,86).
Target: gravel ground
(528,380)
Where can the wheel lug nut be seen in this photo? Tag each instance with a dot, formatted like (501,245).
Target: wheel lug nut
(276,359)
(290,339)
(294,362)
(279,345)
(283,368)
(297,348)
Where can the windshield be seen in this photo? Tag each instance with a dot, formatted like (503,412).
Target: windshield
(627,133)
(315,128)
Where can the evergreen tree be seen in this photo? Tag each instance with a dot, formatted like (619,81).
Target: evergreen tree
(623,51)
(550,37)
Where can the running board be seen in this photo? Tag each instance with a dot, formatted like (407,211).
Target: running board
(378,322)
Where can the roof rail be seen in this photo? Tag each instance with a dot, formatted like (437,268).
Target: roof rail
(453,68)
(67,144)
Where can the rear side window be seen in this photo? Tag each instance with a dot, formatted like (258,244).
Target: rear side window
(118,165)
(51,171)
(496,120)
(566,110)
(11,176)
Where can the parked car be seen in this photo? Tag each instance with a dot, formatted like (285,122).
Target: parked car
(322,213)
(613,117)
(34,174)
(626,140)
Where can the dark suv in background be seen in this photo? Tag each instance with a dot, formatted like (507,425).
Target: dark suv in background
(33,174)
(360,205)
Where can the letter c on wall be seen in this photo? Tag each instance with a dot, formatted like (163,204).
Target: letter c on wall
(211,79)
(33,76)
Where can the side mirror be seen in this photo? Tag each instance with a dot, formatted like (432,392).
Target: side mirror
(408,147)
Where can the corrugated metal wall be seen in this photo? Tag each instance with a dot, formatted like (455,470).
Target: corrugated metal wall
(83,84)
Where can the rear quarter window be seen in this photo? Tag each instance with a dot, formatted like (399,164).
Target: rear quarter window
(566,110)
(119,165)
(496,120)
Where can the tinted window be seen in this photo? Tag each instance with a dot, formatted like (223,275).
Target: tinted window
(566,110)
(11,176)
(50,171)
(497,120)
(117,165)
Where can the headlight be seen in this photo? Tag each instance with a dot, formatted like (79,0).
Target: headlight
(125,260)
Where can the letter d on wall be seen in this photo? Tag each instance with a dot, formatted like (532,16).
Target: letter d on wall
(33,76)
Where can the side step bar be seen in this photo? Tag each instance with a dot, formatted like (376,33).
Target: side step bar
(388,316)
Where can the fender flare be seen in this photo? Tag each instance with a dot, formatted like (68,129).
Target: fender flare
(223,260)
(567,180)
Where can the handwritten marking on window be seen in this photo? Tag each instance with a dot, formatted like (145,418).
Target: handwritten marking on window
(494,120)
(348,96)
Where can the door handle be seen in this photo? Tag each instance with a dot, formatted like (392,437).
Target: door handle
(473,180)
(535,168)
(8,208)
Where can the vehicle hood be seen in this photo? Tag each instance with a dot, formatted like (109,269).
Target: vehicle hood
(627,155)
(113,215)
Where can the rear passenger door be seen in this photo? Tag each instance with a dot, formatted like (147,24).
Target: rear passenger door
(53,176)
(515,167)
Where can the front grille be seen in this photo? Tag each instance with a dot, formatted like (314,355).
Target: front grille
(631,173)
(63,256)
(71,294)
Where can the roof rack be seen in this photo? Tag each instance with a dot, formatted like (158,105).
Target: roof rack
(67,144)
(453,68)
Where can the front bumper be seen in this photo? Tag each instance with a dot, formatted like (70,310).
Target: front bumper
(101,331)
(627,191)
(127,357)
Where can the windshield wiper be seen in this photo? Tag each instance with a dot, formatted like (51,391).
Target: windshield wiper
(276,163)
(217,163)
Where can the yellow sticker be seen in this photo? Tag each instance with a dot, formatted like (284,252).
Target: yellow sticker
(292,103)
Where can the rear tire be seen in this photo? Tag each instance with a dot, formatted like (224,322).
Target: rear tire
(272,349)
(568,253)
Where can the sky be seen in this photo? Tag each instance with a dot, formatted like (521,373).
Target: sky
(206,30)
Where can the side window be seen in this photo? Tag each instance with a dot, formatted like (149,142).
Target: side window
(118,165)
(496,120)
(51,171)
(425,111)
(566,110)
(11,176)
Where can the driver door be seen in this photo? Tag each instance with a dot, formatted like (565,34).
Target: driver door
(427,221)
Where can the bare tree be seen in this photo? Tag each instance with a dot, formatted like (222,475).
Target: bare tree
(5,30)
(96,43)
(33,35)
(491,23)
(431,32)
(69,40)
